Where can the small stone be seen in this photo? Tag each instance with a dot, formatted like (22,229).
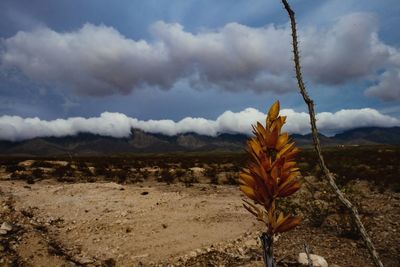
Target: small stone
(109,262)
(317,261)
(6,226)
(251,243)
(3,232)
(134,257)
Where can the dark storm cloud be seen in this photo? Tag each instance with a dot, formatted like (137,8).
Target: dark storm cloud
(98,60)
(388,87)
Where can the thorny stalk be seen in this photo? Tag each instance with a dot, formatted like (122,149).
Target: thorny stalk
(310,104)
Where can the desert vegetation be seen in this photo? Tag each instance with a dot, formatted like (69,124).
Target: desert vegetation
(379,165)
(272,174)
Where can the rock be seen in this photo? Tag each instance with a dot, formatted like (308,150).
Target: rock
(250,243)
(3,232)
(317,261)
(241,251)
(139,256)
(85,260)
(109,262)
(6,226)
(124,214)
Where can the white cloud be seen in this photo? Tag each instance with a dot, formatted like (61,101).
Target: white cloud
(98,60)
(14,128)
(353,118)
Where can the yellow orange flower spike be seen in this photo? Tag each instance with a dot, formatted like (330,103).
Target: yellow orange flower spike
(271,173)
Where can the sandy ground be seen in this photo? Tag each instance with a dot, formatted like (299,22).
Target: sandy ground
(134,224)
(154,224)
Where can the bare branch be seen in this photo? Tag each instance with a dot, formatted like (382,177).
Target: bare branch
(310,104)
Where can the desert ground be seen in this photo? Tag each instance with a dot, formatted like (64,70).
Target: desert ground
(186,220)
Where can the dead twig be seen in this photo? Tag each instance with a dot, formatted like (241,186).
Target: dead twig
(310,104)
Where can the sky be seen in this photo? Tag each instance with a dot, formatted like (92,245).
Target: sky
(174,66)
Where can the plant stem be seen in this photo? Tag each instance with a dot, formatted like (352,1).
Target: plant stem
(353,210)
(267,242)
(310,263)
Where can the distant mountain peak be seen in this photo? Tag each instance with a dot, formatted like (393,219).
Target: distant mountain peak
(141,141)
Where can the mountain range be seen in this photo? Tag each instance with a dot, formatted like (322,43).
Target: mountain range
(142,142)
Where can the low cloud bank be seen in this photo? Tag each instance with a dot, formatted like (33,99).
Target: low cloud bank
(15,128)
(98,60)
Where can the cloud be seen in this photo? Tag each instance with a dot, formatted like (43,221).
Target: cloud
(388,86)
(15,128)
(348,50)
(98,60)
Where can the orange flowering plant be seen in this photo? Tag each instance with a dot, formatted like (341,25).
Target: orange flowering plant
(271,173)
